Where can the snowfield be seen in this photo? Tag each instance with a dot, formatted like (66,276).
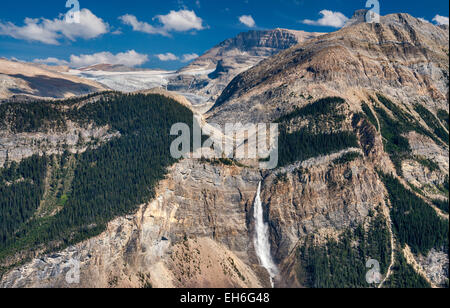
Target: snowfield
(141,80)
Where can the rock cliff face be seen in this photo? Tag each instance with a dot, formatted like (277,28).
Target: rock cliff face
(199,230)
(75,139)
(322,201)
(195,233)
(18,143)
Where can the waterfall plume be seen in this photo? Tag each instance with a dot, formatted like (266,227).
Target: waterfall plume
(261,240)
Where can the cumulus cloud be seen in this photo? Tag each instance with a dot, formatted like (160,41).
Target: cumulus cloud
(329,19)
(171,57)
(130,58)
(182,20)
(175,21)
(248,21)
(140,26)
(51,61)
(440,20)
(51,31)
(167,57)
(189,57)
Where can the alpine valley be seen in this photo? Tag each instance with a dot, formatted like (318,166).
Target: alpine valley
(363,112)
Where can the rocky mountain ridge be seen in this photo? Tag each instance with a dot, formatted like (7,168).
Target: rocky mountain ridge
(256,43)
(233,56)
(401,57)
(19,79)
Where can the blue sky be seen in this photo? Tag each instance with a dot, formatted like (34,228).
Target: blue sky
(166,34)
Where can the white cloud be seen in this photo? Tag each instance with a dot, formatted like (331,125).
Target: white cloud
(171,57)
(248,21)
(189,57)
(130,58)
(140,26)
(51,31)
(440,20)
(175,21)
(51,61)
(329,19)
(182,20)
(167,57)
(31,31)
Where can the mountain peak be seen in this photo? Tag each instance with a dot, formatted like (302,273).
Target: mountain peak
(359,17)
(258,44)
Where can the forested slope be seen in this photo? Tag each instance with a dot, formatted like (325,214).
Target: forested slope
(108,180)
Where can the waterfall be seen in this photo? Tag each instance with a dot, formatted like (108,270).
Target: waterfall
(261,240)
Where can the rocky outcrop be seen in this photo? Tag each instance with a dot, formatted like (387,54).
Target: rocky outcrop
(429,178)
(75,139)
(435,266)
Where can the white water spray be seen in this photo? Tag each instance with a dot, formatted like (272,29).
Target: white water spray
(261,240)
